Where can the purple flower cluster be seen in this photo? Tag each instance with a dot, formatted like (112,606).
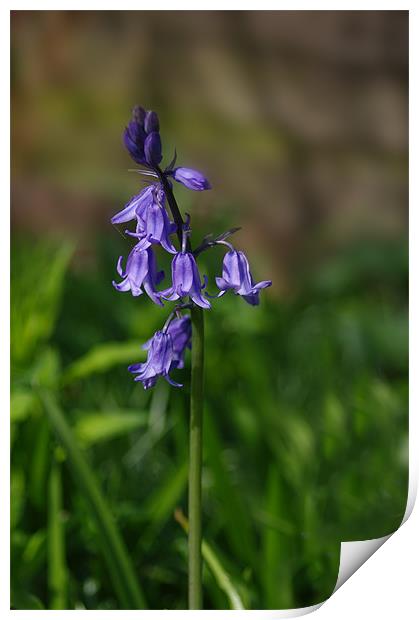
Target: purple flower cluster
(165,350)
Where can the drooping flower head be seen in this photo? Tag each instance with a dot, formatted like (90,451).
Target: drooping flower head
(166,349)
(140,272)
(160,357)
(237,277)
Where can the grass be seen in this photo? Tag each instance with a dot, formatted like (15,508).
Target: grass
(305,436)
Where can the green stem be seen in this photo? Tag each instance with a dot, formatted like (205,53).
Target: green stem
(195,460)
(195,430)
(57,573)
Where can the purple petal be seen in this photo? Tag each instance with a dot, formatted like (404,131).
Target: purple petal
(252,299)
(263,284)
(182,273)
(169,380)
(123,286)
(119,267)
(137,266)
(199,300)
(134,207)
(151,292)
(169,294)
(222,284)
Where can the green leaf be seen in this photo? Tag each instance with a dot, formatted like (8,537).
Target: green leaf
(17,496)
(221,576)
(46,370)
(276,550)
(161,504)
(22,403)
(95,427)
(57,568)
(37,278)
(102,358)
(33,554)
(25,600)
(111,543)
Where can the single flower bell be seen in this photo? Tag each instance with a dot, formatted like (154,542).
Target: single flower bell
(190,178)
(160,356)
(237,277)
(180,330)
(140,273)
(185,278)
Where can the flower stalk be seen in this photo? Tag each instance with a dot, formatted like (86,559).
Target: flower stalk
(195,461)
(195,437)
(166,349)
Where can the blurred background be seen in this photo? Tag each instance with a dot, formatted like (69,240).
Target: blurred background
(299,120)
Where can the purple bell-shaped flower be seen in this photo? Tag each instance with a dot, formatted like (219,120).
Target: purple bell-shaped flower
(185,278)
(140,272)
(190,178)
(237,276)
(160,356)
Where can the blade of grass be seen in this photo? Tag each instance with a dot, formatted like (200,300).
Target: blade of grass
(57,569)
(275,568)
(96,427)
(119,563)
(233,508)
(101,358)
(215,566)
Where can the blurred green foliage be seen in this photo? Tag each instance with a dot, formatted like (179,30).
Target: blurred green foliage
(305,435)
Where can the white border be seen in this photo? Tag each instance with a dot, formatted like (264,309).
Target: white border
(386,585)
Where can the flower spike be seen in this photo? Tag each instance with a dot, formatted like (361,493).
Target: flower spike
(153,210)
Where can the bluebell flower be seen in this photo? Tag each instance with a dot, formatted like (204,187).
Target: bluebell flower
(190,178)
(186,280)
(180,330)
(237,276)
(141,272)
(160,356)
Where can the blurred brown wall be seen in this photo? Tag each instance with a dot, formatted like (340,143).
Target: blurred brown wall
(298,117)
